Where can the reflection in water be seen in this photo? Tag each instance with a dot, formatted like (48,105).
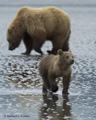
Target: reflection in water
(54,110)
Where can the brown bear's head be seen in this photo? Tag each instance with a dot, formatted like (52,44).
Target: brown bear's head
(66,57)
(13,37)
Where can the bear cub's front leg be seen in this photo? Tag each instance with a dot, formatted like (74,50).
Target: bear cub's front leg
(53,84)
(66,83)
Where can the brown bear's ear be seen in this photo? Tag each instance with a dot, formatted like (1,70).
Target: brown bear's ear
(9,31)
(59,52)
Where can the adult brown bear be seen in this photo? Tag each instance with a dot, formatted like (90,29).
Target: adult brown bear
(36,25)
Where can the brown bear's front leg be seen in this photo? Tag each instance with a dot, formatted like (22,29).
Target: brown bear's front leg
(28,44)
(53,84)
(66,83)
(39,38)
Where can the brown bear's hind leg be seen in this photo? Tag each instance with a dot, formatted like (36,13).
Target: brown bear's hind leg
(28,43)
(52,52)
(66,43)
(57,44)
(38,49)
(65,46)
(37,46)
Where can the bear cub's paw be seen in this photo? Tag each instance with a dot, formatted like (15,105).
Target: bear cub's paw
(54,88)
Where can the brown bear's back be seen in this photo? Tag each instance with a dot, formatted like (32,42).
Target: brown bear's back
(51,18)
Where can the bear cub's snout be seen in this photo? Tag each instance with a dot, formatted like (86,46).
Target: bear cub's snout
(71,61)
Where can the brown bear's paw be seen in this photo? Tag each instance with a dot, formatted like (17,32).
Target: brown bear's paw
(25,53)
(39,51)
(52,52)
(54,88)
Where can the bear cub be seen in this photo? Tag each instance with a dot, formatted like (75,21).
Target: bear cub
(54,66)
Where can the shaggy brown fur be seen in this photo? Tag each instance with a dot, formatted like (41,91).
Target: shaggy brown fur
(35,26)
(54,66)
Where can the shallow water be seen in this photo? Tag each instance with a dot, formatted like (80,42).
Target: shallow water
(21,86)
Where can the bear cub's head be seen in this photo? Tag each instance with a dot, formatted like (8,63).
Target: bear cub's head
(66,57)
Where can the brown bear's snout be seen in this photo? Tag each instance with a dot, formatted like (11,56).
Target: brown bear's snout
(11,47)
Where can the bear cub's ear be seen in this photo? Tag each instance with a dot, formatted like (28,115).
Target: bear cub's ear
(59,52)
